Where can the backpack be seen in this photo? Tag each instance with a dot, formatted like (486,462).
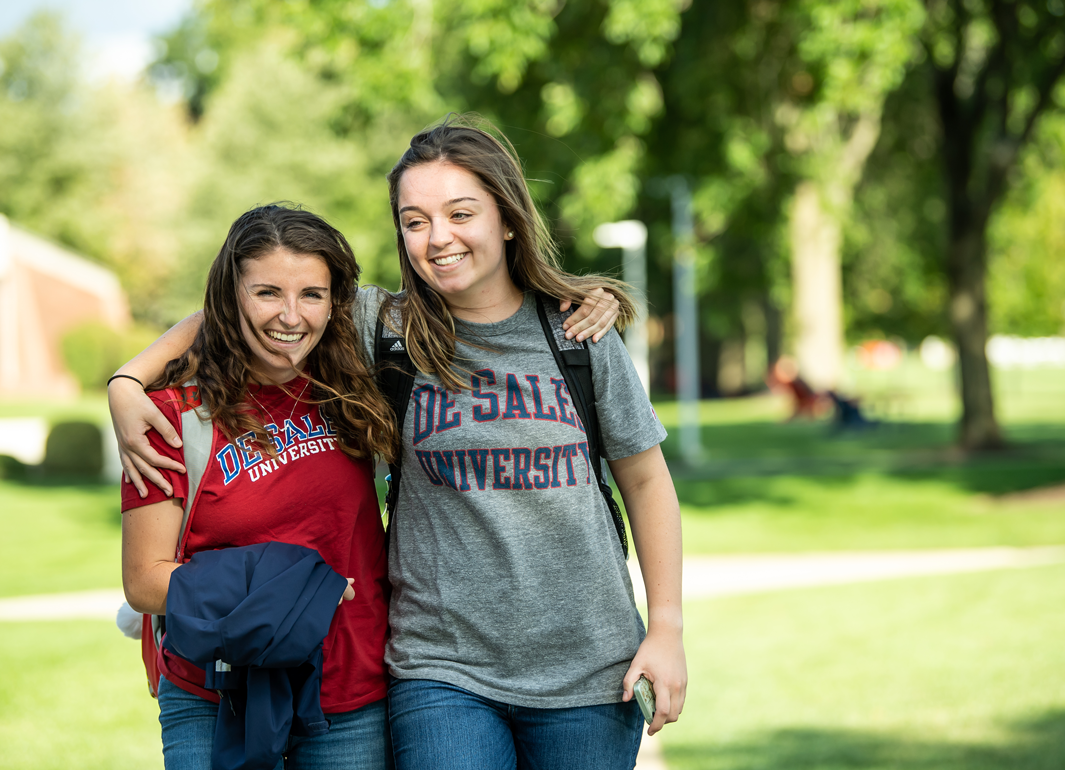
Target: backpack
(197,438)
(395,378)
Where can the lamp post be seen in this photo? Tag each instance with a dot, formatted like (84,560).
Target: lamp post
(685,320)
(630,236)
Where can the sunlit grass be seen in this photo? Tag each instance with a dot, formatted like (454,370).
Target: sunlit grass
(766,484)
(74,695)
(944,673)
(953,507)
(59,538)
(90,406)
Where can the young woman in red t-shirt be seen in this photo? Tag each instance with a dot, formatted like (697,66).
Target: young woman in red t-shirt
(297,421)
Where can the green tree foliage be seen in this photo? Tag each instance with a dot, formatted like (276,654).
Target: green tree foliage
(48,176)
(92,351)
(263,139)
(758,97)
(732,62)
(909,122)
(894,253)
(189,63)
(855,54)
(95,167)
(536,65)
(893,280)
(311,105)
(1026,241)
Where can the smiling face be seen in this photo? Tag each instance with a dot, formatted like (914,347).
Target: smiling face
(455,240)
(286,302)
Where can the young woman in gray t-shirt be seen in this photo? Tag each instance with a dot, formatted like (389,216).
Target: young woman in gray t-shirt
(515,639)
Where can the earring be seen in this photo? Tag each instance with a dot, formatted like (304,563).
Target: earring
(510,234)
(330,316)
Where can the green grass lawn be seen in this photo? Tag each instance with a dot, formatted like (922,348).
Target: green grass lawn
(73,695)
(59,538)
(949,508)
(945,673)
(766,484)
(90,406)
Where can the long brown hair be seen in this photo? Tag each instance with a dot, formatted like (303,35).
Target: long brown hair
(221,361)
(473,144)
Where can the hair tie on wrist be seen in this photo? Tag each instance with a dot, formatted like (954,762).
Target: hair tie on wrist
(125,377)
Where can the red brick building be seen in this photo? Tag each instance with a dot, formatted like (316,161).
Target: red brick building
(45,291)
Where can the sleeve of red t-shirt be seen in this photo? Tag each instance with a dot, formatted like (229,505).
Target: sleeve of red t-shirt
(179,482)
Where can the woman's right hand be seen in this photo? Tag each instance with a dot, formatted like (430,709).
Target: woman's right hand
(349,592)
(133,414)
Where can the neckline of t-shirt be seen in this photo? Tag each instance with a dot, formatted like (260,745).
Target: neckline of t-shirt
(474,329)
(276,392)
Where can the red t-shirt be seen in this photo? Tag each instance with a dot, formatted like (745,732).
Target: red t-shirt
(310,494)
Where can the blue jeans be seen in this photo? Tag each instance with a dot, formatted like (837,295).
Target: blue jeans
(437,726)
(357,740)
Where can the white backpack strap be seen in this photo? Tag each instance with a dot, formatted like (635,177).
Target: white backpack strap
(197,433)
(197,438)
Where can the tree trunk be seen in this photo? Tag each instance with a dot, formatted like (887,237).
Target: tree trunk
(815,236)
(968,317)
(732,367)
(816,240)
(774,332)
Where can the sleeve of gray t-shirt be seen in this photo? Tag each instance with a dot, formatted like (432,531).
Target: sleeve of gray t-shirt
(628,423)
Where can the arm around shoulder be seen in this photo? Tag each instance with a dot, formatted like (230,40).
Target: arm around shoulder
(133,414)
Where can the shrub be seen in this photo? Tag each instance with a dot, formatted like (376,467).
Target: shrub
(92,351)
(12,468)
(74,449)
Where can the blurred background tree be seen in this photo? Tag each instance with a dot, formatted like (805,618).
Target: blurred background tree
(1026,275)
(899,148)
(96,167)
(995,68)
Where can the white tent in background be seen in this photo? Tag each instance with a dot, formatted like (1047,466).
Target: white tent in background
(45,291)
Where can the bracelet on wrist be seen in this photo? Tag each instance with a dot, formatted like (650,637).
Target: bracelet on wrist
(125,377)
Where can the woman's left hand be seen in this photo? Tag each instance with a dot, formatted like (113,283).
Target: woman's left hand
(593,318)
(661,659)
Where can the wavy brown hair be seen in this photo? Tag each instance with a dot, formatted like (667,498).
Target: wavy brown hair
(221,361)
(475,145)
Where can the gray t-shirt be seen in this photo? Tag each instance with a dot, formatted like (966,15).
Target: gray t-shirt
(508,578)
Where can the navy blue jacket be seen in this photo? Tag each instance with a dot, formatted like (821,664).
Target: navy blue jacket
(254,619)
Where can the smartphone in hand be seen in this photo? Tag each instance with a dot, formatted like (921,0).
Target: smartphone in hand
(645,697)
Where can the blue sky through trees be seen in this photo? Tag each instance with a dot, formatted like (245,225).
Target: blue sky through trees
(117,33)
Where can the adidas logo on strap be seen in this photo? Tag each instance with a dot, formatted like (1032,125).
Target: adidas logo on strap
(397,346)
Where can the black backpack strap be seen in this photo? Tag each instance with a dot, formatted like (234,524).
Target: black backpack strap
(575,362)
(395,378)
